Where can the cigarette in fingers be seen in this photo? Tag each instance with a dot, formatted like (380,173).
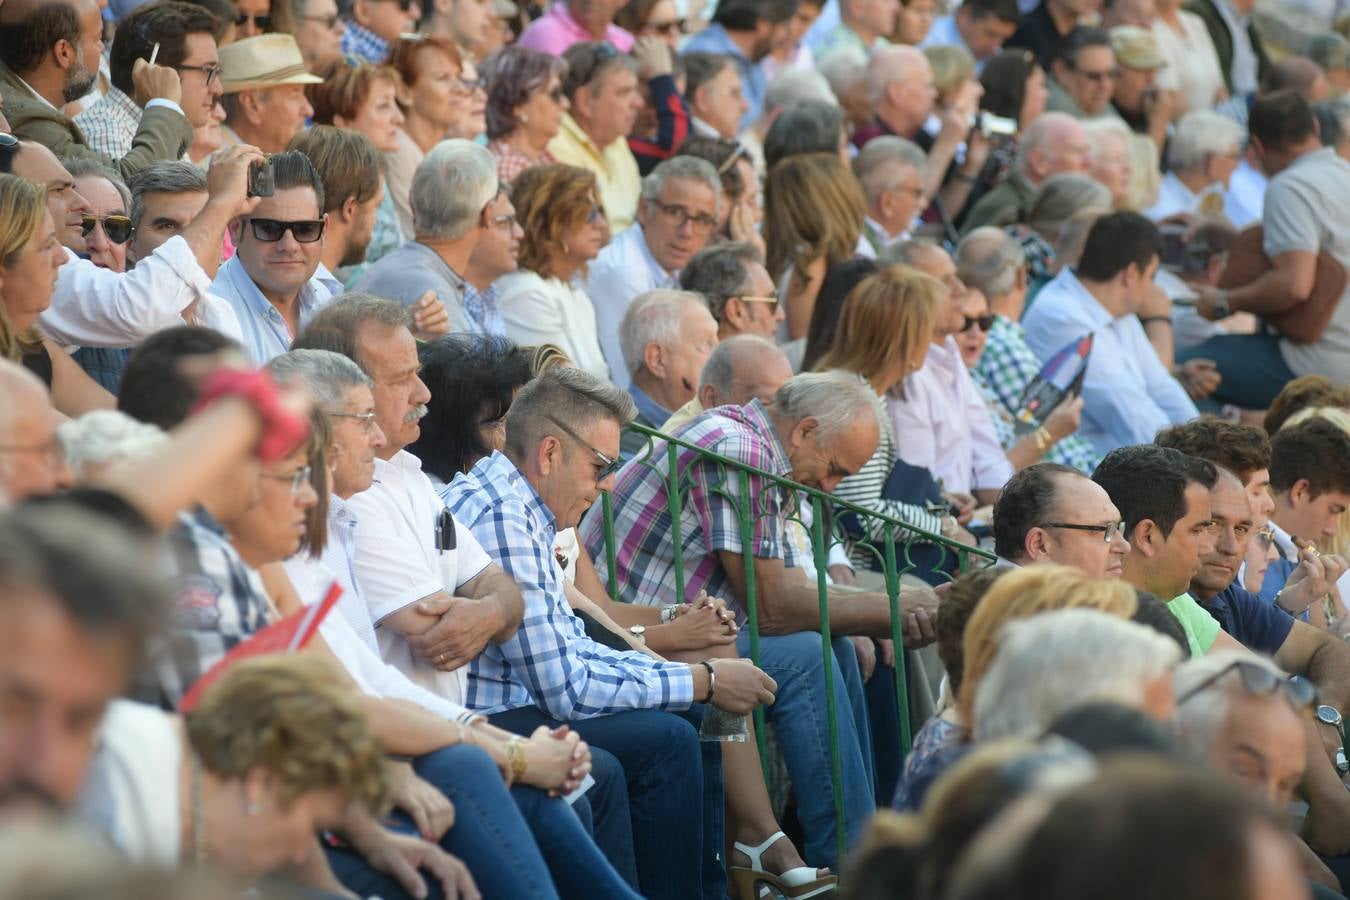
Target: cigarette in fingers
(154,54)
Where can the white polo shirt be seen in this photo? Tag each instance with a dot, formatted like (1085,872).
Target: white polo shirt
(397,564)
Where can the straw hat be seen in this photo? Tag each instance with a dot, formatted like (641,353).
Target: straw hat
(265,61)
(1136,48)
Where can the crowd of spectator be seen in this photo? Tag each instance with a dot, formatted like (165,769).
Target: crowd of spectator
(477,448)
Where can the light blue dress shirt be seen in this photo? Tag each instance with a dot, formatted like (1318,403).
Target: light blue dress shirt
(1128,395)
(622,271)
(266,334)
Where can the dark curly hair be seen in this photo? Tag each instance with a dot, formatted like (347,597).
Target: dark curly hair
(472,379)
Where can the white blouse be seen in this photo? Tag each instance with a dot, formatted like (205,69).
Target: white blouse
(1192,62)
(541,310)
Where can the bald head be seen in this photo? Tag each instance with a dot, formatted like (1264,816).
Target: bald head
(1055,142)
(900,87)
(31,463)
(741,369)
(1298,73)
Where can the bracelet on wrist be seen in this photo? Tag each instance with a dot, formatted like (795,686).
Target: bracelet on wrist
(668,613)
(712,681)
(1044,439)
(515,756)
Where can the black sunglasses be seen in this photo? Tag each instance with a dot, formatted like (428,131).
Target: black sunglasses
(985,322)
(117,228)
(9,148)
(1259,681)
(608,464)
(269,231)
(263,21)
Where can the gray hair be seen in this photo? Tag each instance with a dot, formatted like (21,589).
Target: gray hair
(1202,716)
(842,68)
(793,86)
(1200,134)
(106,436)
(171,177)
(988,259)
(1055,661)
(653,318)
(337,326)
(878,164)
(564,394)
(450,188)
(907,252)
(688,168)
(79,167)
(720,369)
(1043,130)
(1060,197)
(325,375)
(835,399)
(719,273)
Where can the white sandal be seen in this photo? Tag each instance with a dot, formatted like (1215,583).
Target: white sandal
(753,882)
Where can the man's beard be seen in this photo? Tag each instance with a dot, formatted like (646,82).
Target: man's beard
(79,81)
(356,253)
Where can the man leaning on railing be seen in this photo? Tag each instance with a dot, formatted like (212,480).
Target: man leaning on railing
(818,429)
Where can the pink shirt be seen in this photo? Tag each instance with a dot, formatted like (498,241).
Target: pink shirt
(556,30)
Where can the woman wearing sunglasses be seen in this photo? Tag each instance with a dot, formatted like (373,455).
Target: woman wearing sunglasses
(30,255)
(525,106)
(545,301)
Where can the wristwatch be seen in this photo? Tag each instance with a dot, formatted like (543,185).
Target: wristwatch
(639,633)
(1329,715)
(1221,308)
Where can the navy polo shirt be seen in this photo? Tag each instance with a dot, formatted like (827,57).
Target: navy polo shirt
(1255,623)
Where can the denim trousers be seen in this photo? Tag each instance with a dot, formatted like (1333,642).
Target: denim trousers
(801,720)
(675,800)
(1253,369)
(516,843)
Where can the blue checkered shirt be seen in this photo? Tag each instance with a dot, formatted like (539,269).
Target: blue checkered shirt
(360,41)
(549,662)
(1005,369)
(482,310)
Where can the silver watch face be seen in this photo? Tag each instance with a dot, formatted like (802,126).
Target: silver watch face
(1329,715)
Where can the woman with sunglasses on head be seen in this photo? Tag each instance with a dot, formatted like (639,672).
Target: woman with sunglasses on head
(741,212)
(559,210)
(525,107)
(441,98)
(30,255)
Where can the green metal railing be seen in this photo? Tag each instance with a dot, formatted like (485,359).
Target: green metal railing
(888,541)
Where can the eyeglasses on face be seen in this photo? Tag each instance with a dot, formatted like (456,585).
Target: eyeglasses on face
(269,231)
(263,21)
(1259,681)
(985,323)
(608,464)
(212,72)
(1109,533)
(771,302)
(117,228)
(673,28)
(367,420)
(1101,76)
(1265,537)
(328,22)
(677,215)
(298,479)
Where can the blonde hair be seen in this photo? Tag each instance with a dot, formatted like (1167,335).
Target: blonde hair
(291,715)
(952,67)
(1340,544)
(813,208)
(1024,593)
(887,319)
(547,356)
(24,204)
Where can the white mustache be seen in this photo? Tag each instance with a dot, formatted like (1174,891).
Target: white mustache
(415,413)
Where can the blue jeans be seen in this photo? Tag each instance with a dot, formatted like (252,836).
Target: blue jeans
(663,764)
(517,844)
(1254,372)
(801,721)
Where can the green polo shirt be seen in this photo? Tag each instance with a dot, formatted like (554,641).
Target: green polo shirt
(1201,628)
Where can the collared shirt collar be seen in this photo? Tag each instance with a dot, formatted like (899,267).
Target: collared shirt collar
(1091,305)
(505,478)
(363,42)
(1285,542)
(648,408)
(639,237)
(328,280)
(573,132)
(308,298)
(32,90)
(757,417)
(1230,13)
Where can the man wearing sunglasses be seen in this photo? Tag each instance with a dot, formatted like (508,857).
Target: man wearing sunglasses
(1084,75)
(270,280)
(1248,720)
(37,80)
(183,34)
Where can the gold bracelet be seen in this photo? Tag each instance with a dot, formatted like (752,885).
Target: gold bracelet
(1043,439)
(516,757)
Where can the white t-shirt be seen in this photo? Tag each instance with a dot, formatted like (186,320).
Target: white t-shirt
(397,563)
(541,310)
(131,795)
